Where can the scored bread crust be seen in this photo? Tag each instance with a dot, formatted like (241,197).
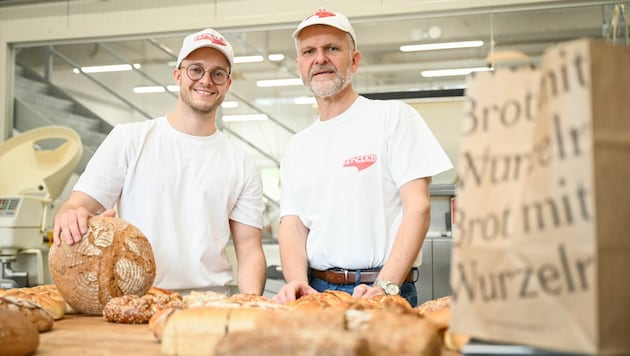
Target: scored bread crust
(46,296)
(326,299)
(112,259)
(33,312)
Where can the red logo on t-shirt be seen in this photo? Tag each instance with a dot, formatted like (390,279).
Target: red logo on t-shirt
(212,38)
(361,162)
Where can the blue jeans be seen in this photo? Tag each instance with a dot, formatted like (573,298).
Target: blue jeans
(407,290)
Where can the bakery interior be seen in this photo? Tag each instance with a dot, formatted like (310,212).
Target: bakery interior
(43,42)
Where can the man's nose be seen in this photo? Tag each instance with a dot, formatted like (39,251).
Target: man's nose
(320,57)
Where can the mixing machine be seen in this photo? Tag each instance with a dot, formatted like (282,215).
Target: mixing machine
(35,167)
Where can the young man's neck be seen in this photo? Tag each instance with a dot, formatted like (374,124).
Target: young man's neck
(193,123)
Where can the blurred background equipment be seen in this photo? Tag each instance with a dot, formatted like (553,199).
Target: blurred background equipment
(36,166)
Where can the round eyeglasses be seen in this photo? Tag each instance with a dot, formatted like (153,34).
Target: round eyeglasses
(196,71)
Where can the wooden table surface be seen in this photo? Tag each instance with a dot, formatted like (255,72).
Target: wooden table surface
(93,335)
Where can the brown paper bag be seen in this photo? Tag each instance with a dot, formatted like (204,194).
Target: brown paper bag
(542,241)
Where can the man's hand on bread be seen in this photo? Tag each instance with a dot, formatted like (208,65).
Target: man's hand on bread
(292,291)
(366,291)
(71,224)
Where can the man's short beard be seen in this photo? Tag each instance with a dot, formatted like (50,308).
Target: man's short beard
(337,85)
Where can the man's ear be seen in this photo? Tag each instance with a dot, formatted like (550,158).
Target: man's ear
(356,60)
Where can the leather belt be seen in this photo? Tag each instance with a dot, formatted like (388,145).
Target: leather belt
(349,276)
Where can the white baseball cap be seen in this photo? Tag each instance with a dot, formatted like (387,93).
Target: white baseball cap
(329,18)
(205,38)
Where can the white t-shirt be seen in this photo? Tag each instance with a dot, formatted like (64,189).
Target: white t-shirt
(178,190)
(341,177)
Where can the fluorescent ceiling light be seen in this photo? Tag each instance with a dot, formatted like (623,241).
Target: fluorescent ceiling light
(149,89)
(275,57)
(247,117)
(248,59)
(229,104)
(304,100)
(155,89)
(110,68)
(452,72)
(278,82)
(443,45)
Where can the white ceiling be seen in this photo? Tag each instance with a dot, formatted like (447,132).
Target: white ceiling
(384,68)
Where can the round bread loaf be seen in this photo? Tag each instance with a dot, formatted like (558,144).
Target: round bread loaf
(112,259)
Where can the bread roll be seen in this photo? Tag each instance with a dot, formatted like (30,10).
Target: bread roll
(112,259)
(132,309)
(38,316)
(434,305)
(18,336)
(194,331)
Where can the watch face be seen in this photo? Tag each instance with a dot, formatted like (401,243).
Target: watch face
(389,288)
(392,289)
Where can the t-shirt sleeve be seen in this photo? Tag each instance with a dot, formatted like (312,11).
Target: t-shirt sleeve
(104,174)
(414,151)
(249,205)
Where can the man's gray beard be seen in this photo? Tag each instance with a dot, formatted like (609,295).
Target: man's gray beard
(338,84)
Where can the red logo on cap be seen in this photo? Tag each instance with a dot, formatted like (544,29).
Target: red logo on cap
(322,13)
(212,38)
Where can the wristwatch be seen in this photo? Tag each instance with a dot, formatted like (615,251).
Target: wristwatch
(390,288)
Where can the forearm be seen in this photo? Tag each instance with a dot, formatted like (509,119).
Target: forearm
(411,233)
(251,263)
(292,240)
(252,273)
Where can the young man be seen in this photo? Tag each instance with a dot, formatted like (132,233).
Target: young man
(181,181)
(355,204)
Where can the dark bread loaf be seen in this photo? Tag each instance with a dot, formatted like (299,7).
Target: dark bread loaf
(18,336)
(112,259)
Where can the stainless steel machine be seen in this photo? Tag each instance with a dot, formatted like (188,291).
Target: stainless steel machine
(434,272)
(36,166)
